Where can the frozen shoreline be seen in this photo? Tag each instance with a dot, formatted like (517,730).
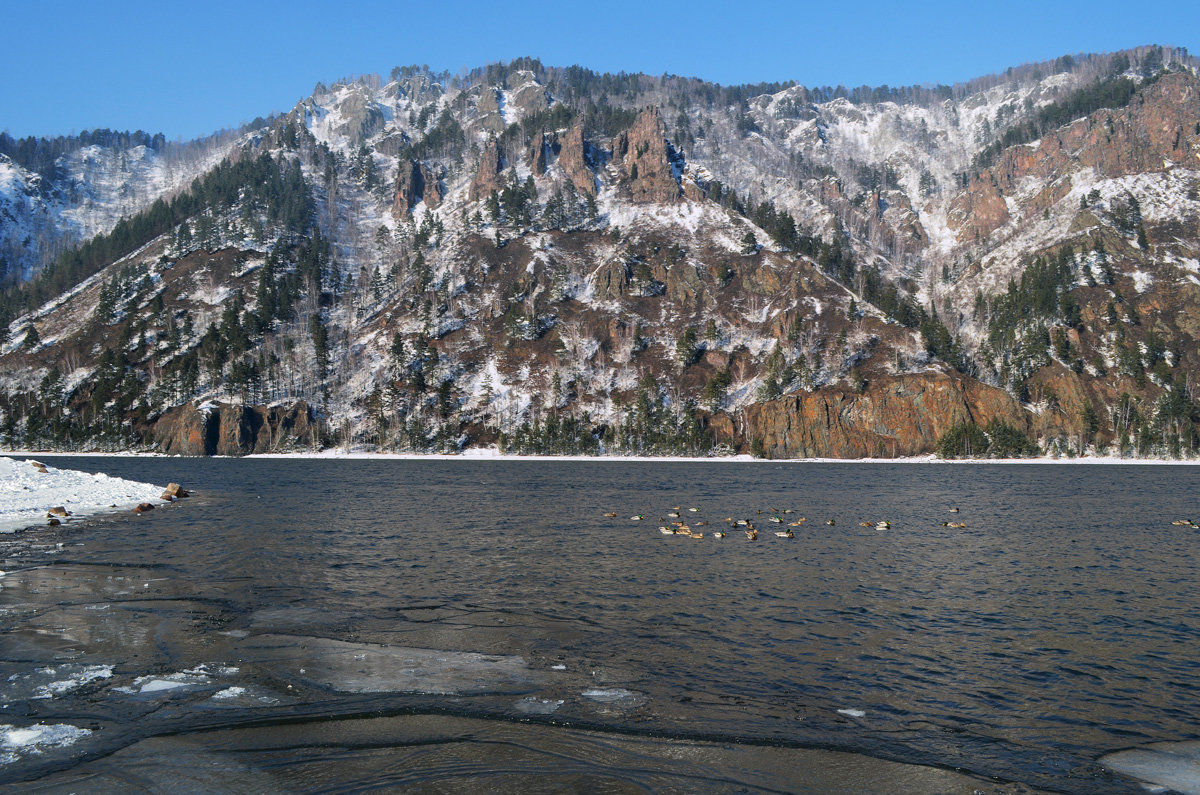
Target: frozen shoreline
(28,492)
(490,454)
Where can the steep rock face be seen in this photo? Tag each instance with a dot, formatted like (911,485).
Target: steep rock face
(525,95)
(415,183)
(431,193)
(1156,131)
(487,177)
(572,159)
(979,210)
(232,430)
(539,149)
(362,117)
(611,280)
(897,416)
(488,107)
(643,157)
(184,430)
(896,218)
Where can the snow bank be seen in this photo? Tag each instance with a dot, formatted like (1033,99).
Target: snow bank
(27,493)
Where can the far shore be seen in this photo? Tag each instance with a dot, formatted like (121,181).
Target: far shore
(491,454)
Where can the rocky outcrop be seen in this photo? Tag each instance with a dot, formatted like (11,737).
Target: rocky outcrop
(1156,131)
(978,211)
(898,416)
(525,95)
(539,150)
(895,219)
(611,280)
(643,157)
(415,183)
(431,192)
(572,159)
(487,176)
(361,117)
(488,107)
(233,430)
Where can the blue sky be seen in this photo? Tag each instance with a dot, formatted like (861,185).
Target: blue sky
(188,69)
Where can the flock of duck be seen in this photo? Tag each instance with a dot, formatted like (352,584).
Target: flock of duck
(673,525)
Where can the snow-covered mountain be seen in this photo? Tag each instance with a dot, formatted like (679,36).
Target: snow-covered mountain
(92,186)
(551,259)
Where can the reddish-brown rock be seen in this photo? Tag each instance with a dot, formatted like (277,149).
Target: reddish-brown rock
(539,147)
(487,176)
(896,416)
(642,156)
(431,189)
(1154,132)
(414,183)
(143,507)
(233,430)
(572,159)
(978,211)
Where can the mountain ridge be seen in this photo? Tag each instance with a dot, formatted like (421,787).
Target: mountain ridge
(534,248)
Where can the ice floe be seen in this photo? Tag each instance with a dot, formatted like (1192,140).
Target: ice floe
(615,697)
(376,668)
(1173,766)
(532,705)
(52,681)
(229,692)
(16,742)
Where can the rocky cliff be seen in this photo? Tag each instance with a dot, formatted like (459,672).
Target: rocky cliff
(889,418)
(234,430)
(572,158)
(415,182)
(644,157)
(668,266)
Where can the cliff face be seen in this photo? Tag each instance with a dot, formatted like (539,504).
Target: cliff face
(487,177)
(896,416)
(537,156)
(1154,133)
(642,155)
(233,430)
(978,211)
(414,183)
(572,159)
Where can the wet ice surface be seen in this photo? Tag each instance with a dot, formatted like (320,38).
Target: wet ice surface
(1175,766)
(17,742)
(494,614)
(144,685)
(52,682)
(532,705)
(449,754)
(615,699)
(375,668)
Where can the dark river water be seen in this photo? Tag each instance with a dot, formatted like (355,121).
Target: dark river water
(481,626)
